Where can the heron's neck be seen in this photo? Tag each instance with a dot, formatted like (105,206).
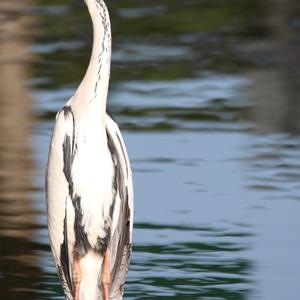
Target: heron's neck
(94,86)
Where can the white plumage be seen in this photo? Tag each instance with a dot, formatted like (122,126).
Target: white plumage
(89,183)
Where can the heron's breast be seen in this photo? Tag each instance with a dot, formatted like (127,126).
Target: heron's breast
(92,170)
(92,174)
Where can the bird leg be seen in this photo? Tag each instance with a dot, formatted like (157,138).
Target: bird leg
(106,275)
(76,275)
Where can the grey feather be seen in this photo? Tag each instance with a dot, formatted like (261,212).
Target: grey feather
(121,236)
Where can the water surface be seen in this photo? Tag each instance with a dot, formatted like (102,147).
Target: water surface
(211,121)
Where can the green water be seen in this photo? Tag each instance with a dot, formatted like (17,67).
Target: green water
(206,95)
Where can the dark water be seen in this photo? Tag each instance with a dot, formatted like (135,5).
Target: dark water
(207,96)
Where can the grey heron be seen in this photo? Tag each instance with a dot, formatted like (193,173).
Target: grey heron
(89,190)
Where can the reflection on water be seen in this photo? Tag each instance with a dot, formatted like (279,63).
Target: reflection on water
(188,262)
(275,89)
(275,166)
(20,270)
(209,115)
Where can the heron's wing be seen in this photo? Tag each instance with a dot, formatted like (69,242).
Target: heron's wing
(58,196)
(121,238)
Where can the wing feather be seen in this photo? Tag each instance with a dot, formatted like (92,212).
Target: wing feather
(58,197)
(121,238)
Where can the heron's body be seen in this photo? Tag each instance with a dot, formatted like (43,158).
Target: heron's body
(88,183)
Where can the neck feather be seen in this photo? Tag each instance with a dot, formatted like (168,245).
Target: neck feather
(94,86)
